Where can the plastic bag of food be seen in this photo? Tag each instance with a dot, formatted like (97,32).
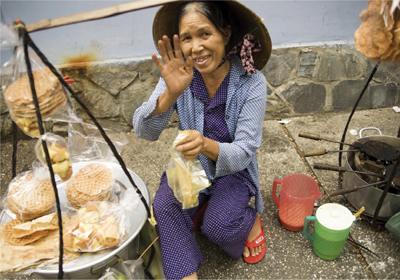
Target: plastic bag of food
(89,144)
(378,36)
(131,269)
(101,224)
(185,177)
(393,225)
(113,274)
(92,182)
(53,100)
(29,197)
(58,152)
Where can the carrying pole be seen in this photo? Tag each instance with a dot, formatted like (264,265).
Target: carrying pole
(95,14)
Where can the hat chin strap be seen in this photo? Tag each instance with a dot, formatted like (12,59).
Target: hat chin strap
(247,46)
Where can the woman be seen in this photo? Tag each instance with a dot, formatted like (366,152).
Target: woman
(221,99)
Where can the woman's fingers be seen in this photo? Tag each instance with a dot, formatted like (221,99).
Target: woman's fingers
(191,146)
(163,51)
(177,47)
(168,47)
(156,61)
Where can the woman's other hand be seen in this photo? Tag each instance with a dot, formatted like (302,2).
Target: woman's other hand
(176,74)
(195,144)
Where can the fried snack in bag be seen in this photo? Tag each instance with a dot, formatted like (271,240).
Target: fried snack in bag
(100,225)
(58,152)
(378,36)
(185,177)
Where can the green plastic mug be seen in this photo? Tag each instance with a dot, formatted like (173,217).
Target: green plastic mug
(332,227)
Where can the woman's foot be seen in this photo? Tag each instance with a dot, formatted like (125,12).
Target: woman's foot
(254,233)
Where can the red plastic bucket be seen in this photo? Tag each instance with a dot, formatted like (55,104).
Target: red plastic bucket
(297,198)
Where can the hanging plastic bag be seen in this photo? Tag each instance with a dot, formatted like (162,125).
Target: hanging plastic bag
(151,256)
(378,36)
(89,144)
(186,177)
(101,225)
(53,100)
(9,37)
(58,152)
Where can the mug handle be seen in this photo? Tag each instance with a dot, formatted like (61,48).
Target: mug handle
(305,232)
(276,182)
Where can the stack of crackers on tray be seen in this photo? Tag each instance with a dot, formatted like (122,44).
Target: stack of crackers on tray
(91,183)
(31,238)
(18,97)
(29,244)
(378,37)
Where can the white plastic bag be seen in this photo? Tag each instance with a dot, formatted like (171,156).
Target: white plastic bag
(186,177)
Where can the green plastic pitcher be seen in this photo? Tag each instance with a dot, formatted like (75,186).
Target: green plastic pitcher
(332,226)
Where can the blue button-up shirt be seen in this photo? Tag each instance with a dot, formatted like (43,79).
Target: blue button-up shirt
(244,115)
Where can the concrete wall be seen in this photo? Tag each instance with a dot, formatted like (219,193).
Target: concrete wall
(301,81)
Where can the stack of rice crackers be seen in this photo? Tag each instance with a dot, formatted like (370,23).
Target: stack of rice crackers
(18,97)
(378,37)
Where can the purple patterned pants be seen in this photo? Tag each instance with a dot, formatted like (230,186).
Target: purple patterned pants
(227,222)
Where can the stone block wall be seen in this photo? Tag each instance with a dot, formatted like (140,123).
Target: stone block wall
(306,81)
(301,81)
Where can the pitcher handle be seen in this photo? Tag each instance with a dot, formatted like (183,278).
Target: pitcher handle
(276,182)
(305,232)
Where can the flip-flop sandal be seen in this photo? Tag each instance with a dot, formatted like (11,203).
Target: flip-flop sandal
(259,240)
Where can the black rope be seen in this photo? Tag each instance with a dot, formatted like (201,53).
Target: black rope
(24,34)
(15,148)
(352,113)
(15,141)
(106,138)
(340,175)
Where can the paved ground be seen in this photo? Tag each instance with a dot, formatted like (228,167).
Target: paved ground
(289,254)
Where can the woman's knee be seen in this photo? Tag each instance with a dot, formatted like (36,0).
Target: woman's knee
(162,201)
(221,229)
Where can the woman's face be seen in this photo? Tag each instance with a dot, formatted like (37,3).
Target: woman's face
(202,41)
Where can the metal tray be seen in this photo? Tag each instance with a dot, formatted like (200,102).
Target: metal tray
(91,265)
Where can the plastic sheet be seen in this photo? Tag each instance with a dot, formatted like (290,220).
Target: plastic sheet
(186,177)
(130,269)
(89,145)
